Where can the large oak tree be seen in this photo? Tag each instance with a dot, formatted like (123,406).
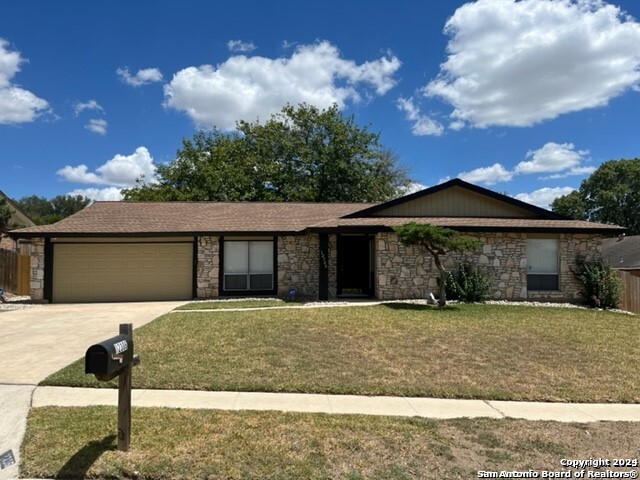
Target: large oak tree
(611,194)
(300,154)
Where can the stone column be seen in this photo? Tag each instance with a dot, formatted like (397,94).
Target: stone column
(208,261)
(36,281)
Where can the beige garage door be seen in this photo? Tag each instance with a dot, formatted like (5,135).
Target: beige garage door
(93,272)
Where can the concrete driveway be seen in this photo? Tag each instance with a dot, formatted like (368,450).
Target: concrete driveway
(39,341)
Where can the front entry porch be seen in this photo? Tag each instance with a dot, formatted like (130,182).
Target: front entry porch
(355,272)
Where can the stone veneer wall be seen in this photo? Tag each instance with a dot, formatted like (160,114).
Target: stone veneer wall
(407,272)
(401,271)
(298,265)
(36,282)
(208,265)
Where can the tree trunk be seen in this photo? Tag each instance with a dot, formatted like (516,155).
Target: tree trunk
(442,299)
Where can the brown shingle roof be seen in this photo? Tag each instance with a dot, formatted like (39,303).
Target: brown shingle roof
(192,217)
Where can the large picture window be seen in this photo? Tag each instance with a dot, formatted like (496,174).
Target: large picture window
(248,265)
(542,264)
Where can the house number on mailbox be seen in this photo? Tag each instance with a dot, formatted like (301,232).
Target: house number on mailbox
(120,347)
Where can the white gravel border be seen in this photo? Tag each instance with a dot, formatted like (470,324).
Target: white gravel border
(19,303)
(15,302)
(369,301)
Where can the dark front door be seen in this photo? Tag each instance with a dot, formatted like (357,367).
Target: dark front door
(355,265)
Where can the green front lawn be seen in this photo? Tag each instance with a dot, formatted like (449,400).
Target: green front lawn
(466,351)
(181,444)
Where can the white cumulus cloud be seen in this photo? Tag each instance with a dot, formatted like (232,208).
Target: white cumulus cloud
(80,107)
(413,187)
(79,174)
(240,46)
(17,105)
(552,157)
(119,172)
(487,175)
(517,63)
(142,77)
(559,159)
(109,193)
(543,197)
(577,171)
(97,125)
(255,87)
(422,125)
(9,64)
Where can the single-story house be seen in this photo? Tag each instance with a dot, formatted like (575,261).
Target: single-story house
(622,253)
(129,251)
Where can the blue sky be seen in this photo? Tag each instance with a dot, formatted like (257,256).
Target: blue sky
(524,97)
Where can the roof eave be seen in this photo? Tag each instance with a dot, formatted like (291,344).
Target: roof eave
(469,228)
(154,234)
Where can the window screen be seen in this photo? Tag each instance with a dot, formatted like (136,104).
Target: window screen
(261,257)
(236,259)
(542,264)
(248,265)
(542,255)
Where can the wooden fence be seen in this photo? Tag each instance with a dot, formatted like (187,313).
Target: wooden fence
(14,272)
(630,299)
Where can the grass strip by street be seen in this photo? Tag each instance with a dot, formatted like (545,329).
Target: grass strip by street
(490,352)
(233,304)
(173,443)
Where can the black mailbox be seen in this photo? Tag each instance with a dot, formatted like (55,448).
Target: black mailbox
(106,359)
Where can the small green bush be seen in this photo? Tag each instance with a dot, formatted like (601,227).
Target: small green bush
(469,284)
(601,285)
(451,287)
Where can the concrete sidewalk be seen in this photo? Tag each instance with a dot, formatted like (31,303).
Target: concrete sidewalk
(341,404)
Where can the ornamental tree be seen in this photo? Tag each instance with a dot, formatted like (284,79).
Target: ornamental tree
(438,241)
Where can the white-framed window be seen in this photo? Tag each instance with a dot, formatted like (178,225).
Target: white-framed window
(542,264)
(248,265)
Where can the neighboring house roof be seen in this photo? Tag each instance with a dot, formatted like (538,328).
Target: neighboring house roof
(622,252)
(17,215)
(456,204)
